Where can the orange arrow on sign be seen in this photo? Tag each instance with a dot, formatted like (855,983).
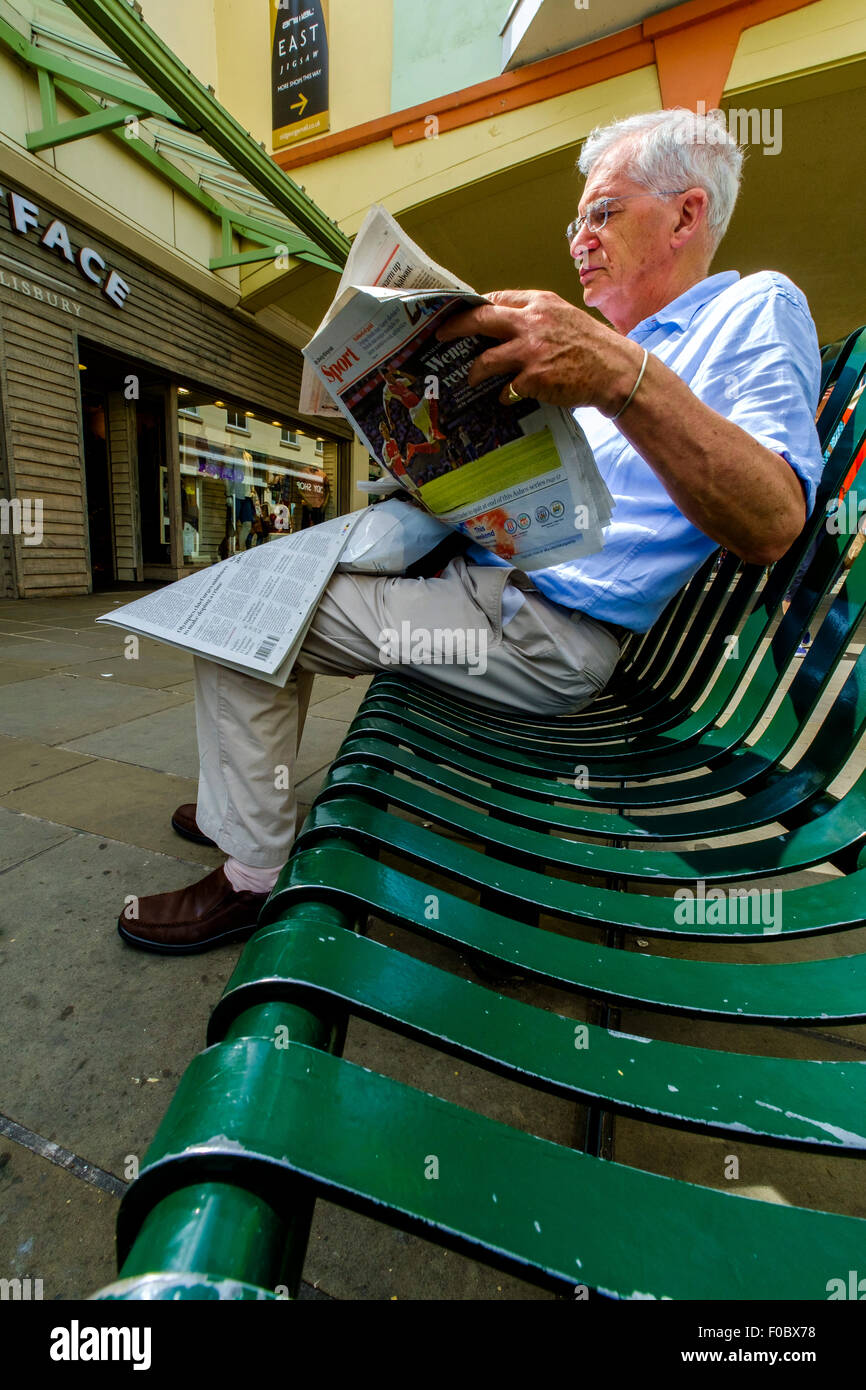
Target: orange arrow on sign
(301,104)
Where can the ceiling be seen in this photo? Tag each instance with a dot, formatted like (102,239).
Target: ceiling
(802,212)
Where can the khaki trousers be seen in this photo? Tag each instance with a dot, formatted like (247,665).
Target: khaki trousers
(546,661)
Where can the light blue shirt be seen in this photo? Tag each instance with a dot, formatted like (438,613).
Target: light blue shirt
(749,350)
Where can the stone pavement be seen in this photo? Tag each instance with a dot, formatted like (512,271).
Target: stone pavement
(95,753)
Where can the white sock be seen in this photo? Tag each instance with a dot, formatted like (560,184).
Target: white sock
(246,879)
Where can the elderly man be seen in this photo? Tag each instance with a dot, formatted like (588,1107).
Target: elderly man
(698,402)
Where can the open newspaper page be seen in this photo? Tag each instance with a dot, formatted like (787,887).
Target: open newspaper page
(518,479)
(381,254)
(250,612)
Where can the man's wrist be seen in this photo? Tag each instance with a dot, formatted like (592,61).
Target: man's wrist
(626,366)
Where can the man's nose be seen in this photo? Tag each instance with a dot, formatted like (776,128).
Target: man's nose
(583,242)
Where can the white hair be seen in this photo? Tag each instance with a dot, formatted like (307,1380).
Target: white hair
(675,149)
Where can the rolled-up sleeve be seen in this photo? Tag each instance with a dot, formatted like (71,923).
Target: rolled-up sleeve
(763,373)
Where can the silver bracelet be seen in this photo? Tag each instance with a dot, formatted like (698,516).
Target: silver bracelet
(635,388)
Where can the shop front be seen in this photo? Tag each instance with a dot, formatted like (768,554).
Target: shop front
(157,429)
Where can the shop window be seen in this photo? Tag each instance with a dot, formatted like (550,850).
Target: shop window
(191,508)
(238,493)
(165,521)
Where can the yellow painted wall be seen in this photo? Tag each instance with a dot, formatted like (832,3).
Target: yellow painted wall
(187,26)
(403,176)
(242,35)
(359,34)
(820,35)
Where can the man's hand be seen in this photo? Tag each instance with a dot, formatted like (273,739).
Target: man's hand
(732,488)
(552,351)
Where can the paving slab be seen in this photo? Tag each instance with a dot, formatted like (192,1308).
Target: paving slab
(49,653)
(168,672)
(165,741)
(23,838)
(120,801)
(58,708)
(354,1257)
(324,687)
(343,707)
(53,1226)
(307,791)
(13,671)
(101,1032)
(83,607)
(87,635)
(25,760)
(825,1182)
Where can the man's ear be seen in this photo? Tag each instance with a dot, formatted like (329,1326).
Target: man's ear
(693,216)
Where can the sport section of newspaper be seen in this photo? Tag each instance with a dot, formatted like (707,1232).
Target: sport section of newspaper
(252,611)
(381,254)
(518,479)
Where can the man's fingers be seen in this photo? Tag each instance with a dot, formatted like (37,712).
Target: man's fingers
(487,320)
(511,299)
(496,361)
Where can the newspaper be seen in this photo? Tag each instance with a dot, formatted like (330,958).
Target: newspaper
(517,479)
(250,612)
(381,254)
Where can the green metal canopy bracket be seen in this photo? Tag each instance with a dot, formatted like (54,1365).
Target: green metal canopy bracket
(77,84)
(52,65)
(271,242)
(65,131)
(124,31)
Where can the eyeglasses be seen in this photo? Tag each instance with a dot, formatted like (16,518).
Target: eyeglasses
(597,213)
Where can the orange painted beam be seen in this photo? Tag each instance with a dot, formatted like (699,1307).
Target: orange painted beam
(695,45)
(693,63)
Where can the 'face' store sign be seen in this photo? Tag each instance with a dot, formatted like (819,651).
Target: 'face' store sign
(24,219)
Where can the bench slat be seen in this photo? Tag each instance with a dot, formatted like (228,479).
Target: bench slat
(548,1213)
(771,1098)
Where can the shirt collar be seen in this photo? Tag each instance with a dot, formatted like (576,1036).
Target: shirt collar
(680,312)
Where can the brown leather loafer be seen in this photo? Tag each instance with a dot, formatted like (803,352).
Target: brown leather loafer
(207,914)
(184,822)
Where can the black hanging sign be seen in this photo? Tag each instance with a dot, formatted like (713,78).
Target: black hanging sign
(299,69)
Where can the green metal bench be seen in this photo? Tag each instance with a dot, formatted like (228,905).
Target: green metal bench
(564,843)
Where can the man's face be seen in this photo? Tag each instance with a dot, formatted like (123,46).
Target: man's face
(619,263)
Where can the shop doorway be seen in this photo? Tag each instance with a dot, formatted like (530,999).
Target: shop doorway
(153,479)
(94,412)
(123,408)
